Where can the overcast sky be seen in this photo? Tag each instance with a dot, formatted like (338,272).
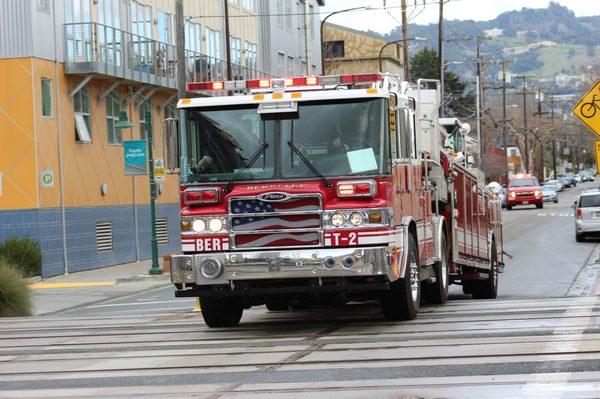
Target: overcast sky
(481,10)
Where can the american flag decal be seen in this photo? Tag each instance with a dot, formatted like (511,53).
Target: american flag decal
(281,219)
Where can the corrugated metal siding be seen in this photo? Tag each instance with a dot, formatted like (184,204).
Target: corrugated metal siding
(15,28)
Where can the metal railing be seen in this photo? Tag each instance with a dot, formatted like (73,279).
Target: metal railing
(96,48)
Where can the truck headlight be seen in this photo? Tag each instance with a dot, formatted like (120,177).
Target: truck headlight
(215,224)
(198,225)
(513,195)
(337,219)
(356,219)
(536,193)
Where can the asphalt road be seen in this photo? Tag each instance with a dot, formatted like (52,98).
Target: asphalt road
(546,258)
(532,341)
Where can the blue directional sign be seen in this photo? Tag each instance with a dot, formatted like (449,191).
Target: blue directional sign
(136,157)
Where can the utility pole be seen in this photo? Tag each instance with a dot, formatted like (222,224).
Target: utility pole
(441,54)
(480,101)
(540,113)
(525,129)
(307,38)
(504,140)
(180,49)
(553,137)
(405,59)
(227,39)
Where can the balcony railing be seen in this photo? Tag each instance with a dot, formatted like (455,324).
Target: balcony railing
(96,48)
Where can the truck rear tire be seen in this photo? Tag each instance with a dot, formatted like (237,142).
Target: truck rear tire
(488,288)
(437,293)
(579,237)
(221,312)
(402,300)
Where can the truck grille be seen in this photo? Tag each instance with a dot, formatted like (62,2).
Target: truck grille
(524,194)
(292,222)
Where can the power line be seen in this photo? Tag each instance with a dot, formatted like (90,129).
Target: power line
(425,3)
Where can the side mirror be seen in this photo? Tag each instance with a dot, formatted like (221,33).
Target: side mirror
(171,147)
(470,160)
(574,205)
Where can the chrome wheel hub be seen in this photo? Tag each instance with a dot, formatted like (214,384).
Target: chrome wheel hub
(414,281)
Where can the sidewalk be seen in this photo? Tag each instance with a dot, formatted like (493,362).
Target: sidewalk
(56,294)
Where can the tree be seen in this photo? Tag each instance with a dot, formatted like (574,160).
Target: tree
(425,64)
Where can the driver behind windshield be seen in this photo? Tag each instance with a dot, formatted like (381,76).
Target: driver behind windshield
(222,153)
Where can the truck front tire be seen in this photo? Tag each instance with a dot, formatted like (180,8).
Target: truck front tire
(221,312)
(402,300)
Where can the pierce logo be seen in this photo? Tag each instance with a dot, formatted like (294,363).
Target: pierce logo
(272,197)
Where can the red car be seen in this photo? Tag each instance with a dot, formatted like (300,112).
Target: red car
(524,190)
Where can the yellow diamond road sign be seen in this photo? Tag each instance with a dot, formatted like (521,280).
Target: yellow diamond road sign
(588,109)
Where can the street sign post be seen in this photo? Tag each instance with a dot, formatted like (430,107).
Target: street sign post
(597,153)
(588,109)
(136,157)
(160,173)
(47,178)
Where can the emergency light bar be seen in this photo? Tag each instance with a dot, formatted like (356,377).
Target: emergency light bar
(283,83)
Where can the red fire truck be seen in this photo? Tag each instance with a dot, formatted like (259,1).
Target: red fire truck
(316,190)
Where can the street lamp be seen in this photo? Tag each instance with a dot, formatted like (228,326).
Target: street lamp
(124,123)
(323,24)
(396,42)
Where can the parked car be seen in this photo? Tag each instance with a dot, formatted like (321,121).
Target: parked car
(572,177)
(587,176)
(556,184)
(579,177)
(587,214)
(524,190)
(549,194)
(566,182)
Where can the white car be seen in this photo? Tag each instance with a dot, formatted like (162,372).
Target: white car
(587,214)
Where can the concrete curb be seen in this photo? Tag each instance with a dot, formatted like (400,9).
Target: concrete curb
(143,277)
(587,281)
(33,280)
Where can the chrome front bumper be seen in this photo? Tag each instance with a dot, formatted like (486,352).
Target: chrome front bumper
(222,268)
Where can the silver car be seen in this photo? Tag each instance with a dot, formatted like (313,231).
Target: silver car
(549,194)
(587,214)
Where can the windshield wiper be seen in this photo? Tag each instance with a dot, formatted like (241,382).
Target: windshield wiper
(310,165)
(237,175)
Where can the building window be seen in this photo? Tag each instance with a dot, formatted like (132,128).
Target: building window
(234,2)
(165,27)
(334,49)
(193,37)
(290,66)
(288,14)
(279,11)
(81,106)
(249,5)
(250,55)
(171,110)
(43,5)
(281,63)
(311,21)
(213,43)
(141,19)
(112,116)
(142,109)
(47,98)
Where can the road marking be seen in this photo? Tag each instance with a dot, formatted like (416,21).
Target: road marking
(37,286)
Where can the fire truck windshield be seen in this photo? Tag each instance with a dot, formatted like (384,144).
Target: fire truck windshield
(339,138)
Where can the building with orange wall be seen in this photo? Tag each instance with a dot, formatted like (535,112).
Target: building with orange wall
(65,66)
